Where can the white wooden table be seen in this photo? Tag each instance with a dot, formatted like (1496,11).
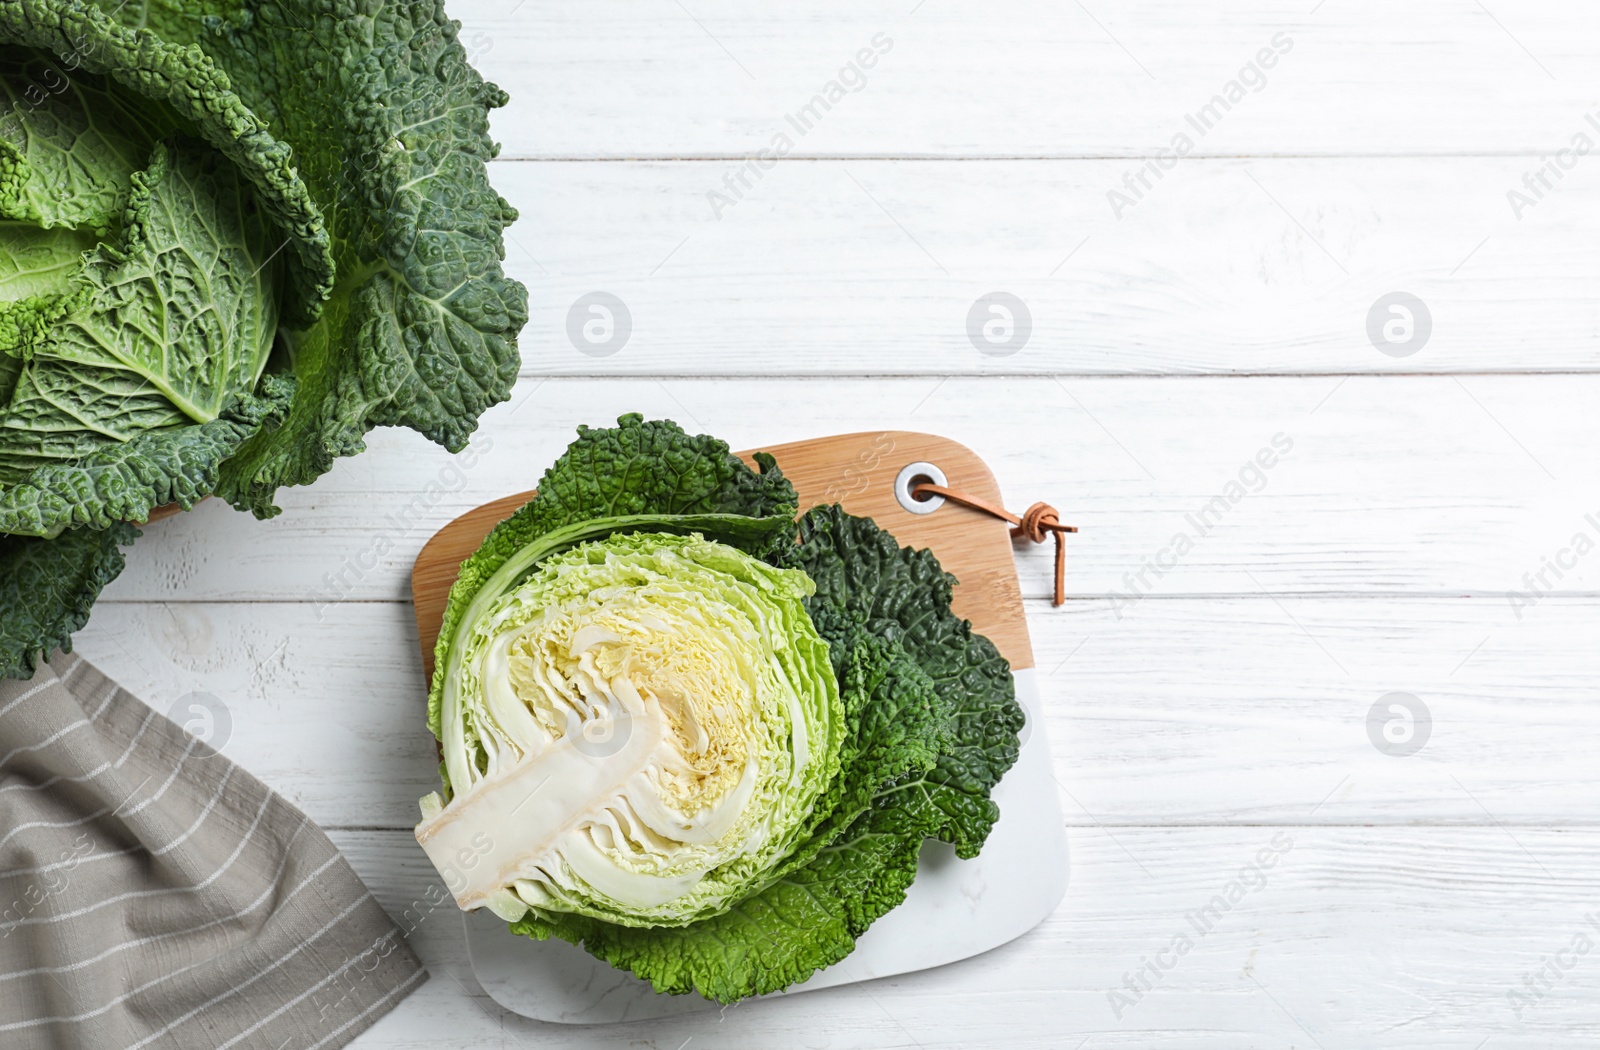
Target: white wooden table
(1196,713)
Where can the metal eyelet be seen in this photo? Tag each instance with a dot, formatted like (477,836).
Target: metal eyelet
(918,473)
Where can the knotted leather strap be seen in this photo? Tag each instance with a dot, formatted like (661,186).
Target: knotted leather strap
(1037,522)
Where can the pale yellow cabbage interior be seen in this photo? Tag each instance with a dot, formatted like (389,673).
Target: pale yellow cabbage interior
(649,719)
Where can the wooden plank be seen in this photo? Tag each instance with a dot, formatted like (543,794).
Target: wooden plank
(1256,710)
(1217,711)
(1265,266)
(857,471)
(1027,77)
(327,706)
(1395,937)
(1394,485)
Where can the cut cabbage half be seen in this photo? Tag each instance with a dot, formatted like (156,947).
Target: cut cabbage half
(636,732)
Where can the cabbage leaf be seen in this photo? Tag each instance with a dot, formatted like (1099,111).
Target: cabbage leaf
(60,577)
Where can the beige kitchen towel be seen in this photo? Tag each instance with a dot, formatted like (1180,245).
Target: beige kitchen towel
(153,894)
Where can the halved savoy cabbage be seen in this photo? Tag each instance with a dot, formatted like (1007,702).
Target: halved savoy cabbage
(702,739)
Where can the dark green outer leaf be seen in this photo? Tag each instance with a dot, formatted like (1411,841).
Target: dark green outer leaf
(864,576)
(47,587)
(126,481)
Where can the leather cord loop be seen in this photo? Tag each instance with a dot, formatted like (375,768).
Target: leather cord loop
(1036,523)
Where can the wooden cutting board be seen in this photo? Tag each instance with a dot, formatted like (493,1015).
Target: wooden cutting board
(857,471)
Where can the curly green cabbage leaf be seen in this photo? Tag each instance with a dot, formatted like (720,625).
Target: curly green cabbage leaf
(645,724)
(930,722)
(57,574)
(233,239)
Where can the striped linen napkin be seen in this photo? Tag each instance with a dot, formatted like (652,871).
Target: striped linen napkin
(153,894)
